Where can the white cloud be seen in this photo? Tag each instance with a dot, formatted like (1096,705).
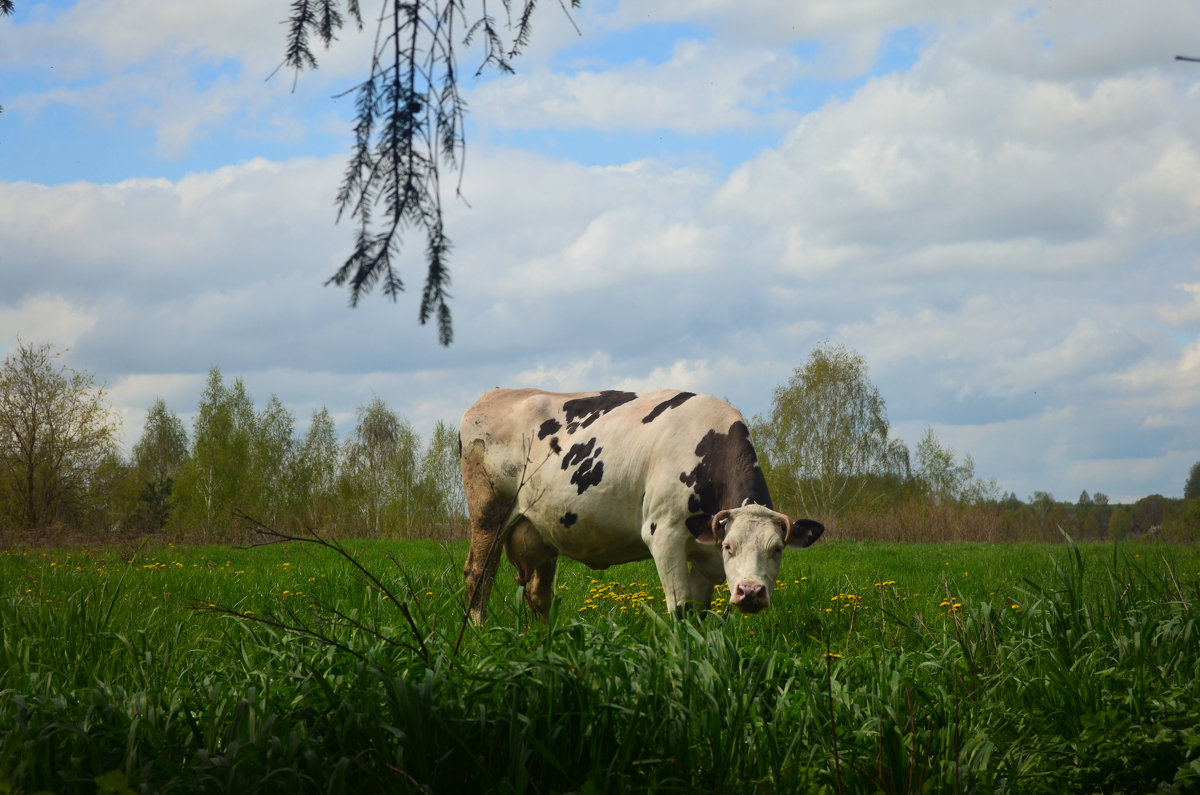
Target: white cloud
(45,318)
(1185,316)
(702,88)
(185,70)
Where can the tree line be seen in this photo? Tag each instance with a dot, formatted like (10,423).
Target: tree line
(827,451)
(825,447)
(61,467)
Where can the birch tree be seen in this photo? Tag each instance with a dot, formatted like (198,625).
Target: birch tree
(827,433)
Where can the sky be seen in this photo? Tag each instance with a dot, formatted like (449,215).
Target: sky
(996,204)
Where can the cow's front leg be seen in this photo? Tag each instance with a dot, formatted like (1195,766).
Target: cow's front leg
(700,589)
(706,573)
(672,565)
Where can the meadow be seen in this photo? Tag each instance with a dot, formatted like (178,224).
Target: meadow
(879,667)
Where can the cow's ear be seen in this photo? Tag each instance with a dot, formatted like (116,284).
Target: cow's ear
(715,532)
(805,532)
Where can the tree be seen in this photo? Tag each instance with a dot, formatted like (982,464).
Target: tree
(379,470)
(55,433)
(158,457)
(827,433)
(1148,514)
(272,450)
(1042,503)
(1191,489)
(441,476)
(163,448)
(1119,525)
(410,121)
(315,470)
(946,479)
(214,482)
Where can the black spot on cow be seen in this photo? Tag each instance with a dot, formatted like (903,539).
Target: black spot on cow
(582,412)
(698,524)
(726,475)
(548,427)
(569,519)
(578,453)
(555,447)
(670,403)
(653,527)
(589,469)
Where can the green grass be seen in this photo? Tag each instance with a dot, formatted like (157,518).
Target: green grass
(879,667)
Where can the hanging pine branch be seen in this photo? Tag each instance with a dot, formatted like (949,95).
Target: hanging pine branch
(6,7)
(409,123)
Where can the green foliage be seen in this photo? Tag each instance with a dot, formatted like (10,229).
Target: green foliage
(272,453)
(158,457)
(879,668)
(944,478)
(56,433)
(827,435)
(214,483)
(379,471)
(1191,489)
(444,502)
(315,473)
(248,462)
(1120,525)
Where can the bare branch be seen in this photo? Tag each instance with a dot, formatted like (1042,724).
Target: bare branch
(277,536)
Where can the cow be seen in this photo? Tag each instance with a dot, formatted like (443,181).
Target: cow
(611,477)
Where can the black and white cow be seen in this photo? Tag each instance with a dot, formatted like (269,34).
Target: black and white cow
(610,477)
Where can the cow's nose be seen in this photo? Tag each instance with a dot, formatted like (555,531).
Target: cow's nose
(749,597)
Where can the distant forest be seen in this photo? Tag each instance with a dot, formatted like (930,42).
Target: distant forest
(825,449)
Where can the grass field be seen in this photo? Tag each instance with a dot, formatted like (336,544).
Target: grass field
(879,667)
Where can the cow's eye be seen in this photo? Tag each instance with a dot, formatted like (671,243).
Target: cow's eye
(776,552)
(728,549)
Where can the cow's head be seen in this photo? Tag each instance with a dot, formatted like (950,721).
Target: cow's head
(752,539)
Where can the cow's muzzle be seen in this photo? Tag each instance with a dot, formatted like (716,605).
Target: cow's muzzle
(749,597)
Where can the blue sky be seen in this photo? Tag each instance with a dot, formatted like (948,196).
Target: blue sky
(997,204)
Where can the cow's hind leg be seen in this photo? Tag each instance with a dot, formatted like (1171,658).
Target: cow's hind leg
(536,562)
(480,570)
(488,514)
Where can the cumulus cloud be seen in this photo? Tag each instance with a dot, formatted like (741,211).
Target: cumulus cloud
(184,70)
(46,318)
(701,88)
